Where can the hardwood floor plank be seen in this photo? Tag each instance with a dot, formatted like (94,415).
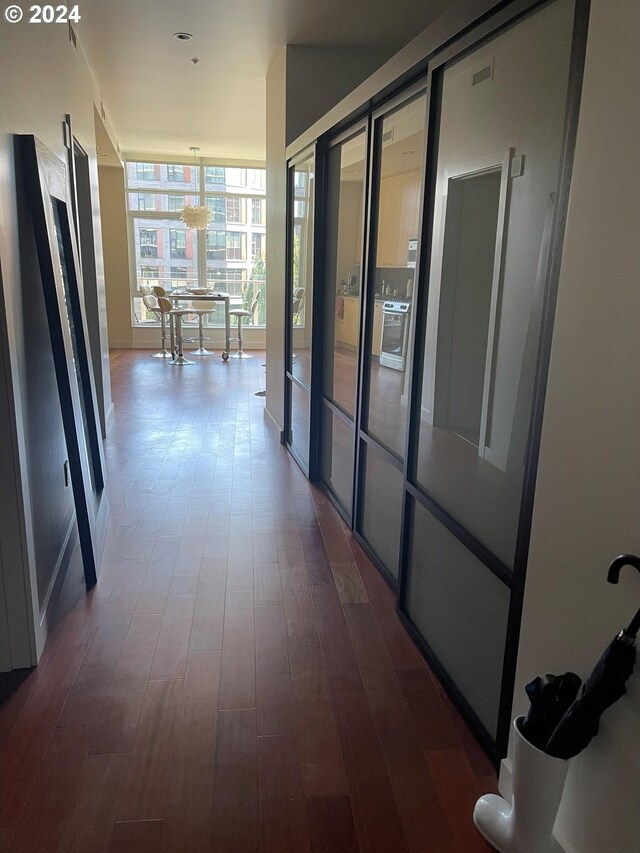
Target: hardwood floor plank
(138,836)
(26,745)
(145,792)
(116,728)
(238,675)
(315,555)
(403,651)
(348,583)
(94,810)
(331,825)
(266,583)
(235,811)
(424,821)
(50,802)
(208,619)
(188,812)
(298,607)
(456,785)
(435,729)
(172,648)
(335,640)
(273,676)
(282,805)
(320,753)
(375,812)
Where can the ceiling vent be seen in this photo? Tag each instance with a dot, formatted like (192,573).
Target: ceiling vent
(482,74)
(387,136)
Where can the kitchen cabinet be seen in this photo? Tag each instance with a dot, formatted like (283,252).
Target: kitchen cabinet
(347,325)
(376,339)
(398,218)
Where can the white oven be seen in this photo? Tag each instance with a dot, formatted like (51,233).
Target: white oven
(395,333)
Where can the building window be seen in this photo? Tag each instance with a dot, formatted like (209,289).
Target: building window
(234,210)
(216,245)
(175,173)
(149,274)
(218,209)
(176,202)
(178,272)
(257,211)
(236,246)
(145,171)
(214,174)
(148,243)
(257,246)
(178,243)
(146,201)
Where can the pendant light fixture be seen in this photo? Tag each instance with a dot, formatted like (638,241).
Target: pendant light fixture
(195,215)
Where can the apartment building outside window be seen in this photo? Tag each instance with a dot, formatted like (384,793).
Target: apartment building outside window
(148,243)
(228,255)
(234,210)
(175,172)
(257,211)
(145,171)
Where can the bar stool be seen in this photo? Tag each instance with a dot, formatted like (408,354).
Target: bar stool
(165,307)
(151,303)
(201,308)
(176,314)
(241,313)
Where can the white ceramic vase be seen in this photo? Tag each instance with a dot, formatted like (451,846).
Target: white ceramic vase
(526,824)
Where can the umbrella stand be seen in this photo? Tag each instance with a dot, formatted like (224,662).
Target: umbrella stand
(540,766)
(526,824)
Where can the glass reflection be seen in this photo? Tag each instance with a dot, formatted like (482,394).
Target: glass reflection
(301,293)
(60,219)
(398,223)
(345,197)
(496,177)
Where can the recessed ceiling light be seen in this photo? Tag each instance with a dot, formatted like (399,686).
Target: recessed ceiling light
(183,36)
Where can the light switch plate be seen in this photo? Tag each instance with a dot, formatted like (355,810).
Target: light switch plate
(517,166)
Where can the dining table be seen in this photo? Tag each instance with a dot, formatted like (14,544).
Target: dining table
(184,295)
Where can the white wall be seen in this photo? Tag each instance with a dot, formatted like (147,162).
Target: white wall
(276,237)
(42,78)
(587,507)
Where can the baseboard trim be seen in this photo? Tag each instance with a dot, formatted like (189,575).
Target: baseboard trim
(58,576)
(108,421)
(274,423)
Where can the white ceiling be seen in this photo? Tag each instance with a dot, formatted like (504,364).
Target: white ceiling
(159,102)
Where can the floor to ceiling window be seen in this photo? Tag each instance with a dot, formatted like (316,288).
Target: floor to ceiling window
(228,255)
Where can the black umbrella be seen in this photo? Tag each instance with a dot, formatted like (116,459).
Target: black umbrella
(550,696)
(605,685)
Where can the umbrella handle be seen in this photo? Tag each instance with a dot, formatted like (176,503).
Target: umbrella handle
(613,576)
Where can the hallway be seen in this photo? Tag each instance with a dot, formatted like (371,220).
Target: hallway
(238,680)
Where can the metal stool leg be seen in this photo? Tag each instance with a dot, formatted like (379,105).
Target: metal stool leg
(201,348)
(180,359)
(164,352)
(240,353)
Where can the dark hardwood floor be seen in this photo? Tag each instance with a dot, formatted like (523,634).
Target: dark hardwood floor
(238,680)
